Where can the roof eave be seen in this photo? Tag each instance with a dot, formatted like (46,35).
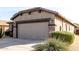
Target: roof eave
(31,10)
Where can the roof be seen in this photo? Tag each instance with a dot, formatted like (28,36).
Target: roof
(10,22)
(42,9)
(76,25)
(31,10)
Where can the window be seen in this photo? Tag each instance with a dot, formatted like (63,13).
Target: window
(60,28)
(66,26)
(69,27)
(62,22)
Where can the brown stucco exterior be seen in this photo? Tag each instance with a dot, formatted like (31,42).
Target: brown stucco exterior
(34,16)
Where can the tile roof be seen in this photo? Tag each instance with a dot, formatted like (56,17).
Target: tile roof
(42,9)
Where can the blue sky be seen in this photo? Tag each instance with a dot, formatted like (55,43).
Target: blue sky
(7,12)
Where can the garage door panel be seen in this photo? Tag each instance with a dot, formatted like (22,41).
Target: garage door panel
(33,30)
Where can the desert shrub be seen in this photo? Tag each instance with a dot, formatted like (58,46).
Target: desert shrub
(52,45)
(40,47)
(56,45)
(1,33)
(67,37)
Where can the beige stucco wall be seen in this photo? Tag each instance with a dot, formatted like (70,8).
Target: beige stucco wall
(59,22)
(34,15)
(4,25)
(6,28)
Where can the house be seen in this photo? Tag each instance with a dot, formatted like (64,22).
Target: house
(4,25)
(38,23)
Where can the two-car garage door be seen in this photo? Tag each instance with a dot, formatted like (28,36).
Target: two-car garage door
(33,30)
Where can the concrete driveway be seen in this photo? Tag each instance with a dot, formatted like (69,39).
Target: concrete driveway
(17,44)
(7,44)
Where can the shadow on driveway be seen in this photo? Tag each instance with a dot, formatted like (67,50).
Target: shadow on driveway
(6,42)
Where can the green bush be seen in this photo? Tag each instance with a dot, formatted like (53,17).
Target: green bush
(1,33)
(52,45)
(67,37)
(57,45)
(8,33)
(40,47)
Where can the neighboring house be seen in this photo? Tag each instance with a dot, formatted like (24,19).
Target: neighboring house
(4,25)
(38,23)
(77,28)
